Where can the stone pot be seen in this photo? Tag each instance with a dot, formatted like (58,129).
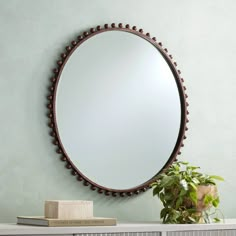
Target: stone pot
(202,191)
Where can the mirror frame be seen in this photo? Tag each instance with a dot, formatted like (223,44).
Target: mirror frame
(52,110)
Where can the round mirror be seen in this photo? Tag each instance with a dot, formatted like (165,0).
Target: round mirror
(117,109)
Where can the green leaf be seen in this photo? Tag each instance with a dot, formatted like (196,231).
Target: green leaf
(182,192)
(168,196)
(183,163)
(217,177)
(163,213)
(208,199)
(191,210)
(179,202)
(162,197)
(193,167)
(154,184)
(216,202)
(193,185)
(195,181)
(193,196)
(216,220)
(156,190)
(167,181)
(176,167)
(192,219)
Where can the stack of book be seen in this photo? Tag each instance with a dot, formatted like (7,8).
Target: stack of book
(67,213)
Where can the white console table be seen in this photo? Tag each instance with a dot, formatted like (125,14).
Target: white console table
(228,228)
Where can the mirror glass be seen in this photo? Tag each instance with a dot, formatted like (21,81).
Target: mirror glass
(118,109)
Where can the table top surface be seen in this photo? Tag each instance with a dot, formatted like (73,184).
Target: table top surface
(14,229)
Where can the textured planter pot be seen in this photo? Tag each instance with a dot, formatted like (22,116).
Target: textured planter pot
(202,191)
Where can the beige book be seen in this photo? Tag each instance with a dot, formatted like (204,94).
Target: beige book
(42,221)
(77,209)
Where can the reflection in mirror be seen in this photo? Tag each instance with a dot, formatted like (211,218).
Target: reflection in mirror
(119,110)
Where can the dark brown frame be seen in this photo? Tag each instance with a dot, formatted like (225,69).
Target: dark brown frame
(52,114)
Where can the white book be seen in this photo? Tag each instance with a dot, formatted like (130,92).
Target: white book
(42,221)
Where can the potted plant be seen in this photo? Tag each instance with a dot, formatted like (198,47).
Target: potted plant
(188,196)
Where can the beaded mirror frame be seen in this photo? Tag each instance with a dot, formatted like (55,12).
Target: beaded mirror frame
(52,110)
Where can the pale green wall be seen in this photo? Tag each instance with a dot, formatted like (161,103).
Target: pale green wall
(200,34)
